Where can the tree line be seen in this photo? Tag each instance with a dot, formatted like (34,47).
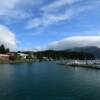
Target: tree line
(64,55)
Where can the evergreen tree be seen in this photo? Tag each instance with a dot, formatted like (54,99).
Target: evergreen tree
(4,50)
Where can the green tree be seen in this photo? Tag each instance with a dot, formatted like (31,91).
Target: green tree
(29,56)
(7,50)
(15,57)
(4,50)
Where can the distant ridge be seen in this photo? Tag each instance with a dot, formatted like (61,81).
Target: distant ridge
(89,49)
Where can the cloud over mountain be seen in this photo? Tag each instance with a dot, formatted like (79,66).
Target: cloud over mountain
(75,41)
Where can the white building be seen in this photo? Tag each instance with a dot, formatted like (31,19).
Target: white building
(23,55)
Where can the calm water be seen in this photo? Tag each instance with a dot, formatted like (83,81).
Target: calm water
(48,81)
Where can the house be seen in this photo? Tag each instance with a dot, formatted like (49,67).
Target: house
(23,55)
(4,57)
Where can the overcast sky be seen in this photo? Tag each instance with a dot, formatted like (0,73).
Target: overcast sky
(53,24)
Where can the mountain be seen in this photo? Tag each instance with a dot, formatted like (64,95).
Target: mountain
(90,49)
(65,54)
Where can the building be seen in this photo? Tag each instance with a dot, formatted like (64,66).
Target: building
(4,57)
(23,55)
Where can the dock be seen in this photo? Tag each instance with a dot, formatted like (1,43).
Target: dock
(92,66)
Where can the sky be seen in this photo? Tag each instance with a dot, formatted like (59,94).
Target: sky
(49,24)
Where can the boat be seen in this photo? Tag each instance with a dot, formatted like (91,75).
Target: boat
(79,64)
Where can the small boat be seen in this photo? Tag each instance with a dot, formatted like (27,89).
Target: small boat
(78,64)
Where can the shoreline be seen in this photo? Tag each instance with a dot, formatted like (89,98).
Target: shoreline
(90,66)
(16,62)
